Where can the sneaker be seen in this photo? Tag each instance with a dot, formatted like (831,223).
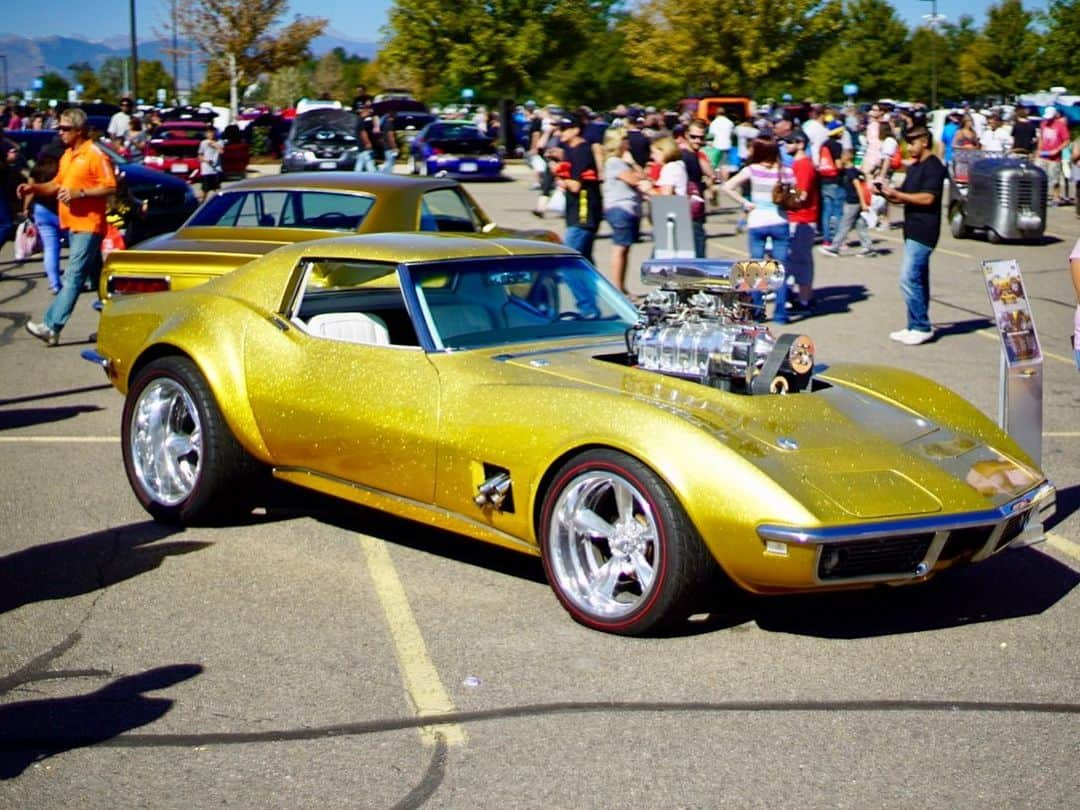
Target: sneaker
(42,332)
(911,337)
(867,253)
(828,250)
(802,308)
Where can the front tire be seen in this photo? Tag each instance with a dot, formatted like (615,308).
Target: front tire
(181,459)
(957,227)
(618,549)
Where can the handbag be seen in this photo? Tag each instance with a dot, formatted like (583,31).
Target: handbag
(557,203)
(27,240)
(786,196)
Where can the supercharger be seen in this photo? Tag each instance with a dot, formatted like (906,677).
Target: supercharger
(701,324)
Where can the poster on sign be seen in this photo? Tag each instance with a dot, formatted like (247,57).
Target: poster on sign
(1012,312)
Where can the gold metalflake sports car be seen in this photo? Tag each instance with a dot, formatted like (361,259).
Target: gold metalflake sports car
(253,217)
(505,390)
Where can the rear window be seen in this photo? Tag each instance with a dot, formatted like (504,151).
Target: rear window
(316,210)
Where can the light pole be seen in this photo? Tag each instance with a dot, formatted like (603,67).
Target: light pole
(932,19)
(3,56)
(134,58)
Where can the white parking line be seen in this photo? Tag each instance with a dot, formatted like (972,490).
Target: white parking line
(417,670)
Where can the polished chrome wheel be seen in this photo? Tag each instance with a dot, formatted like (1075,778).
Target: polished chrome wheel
(604,544)
(166,441)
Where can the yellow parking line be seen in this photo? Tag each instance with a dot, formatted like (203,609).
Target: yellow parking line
(1059,543)
(417,671)
(59,439)
(988,333)
(1063,434)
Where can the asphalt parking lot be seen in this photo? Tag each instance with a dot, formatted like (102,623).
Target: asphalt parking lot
(323,655)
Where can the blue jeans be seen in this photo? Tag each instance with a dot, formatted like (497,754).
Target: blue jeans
(781,239)
(915,284)
(48,225)
(365,162)
(832,209)
(697,226)
(84,262)
(389,160)
(581,240)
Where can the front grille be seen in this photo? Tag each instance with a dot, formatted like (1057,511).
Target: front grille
(965,542)
(884,556)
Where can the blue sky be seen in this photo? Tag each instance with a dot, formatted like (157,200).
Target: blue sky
(355,19)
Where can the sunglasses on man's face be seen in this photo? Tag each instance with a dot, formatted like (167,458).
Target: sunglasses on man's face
(65,128)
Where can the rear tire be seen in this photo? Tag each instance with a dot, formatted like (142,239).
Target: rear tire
(993,237)
(181,459)
(618,549)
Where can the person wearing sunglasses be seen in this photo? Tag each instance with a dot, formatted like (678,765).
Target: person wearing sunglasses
(82,186)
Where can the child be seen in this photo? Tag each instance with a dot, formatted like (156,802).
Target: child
(856,211)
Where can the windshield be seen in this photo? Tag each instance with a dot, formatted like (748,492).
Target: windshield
(493,302)
(339,120)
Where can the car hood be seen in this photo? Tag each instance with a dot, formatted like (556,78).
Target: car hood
(907,462)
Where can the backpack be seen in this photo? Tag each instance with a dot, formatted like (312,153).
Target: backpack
(827,161)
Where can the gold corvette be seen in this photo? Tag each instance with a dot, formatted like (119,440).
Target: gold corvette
(505,390)
(253,217)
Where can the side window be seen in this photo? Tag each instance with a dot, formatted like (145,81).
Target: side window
(262,209)
(444,209)
(354,302)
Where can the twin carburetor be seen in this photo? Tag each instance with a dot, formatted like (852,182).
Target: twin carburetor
(702,325)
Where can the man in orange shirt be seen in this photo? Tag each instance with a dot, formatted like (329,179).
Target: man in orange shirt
(82,185)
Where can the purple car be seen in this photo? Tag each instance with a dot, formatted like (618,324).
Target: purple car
(456,148)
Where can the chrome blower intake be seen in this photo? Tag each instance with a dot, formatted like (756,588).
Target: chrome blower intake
(700,325)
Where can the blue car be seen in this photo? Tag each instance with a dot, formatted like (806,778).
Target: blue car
(454,148)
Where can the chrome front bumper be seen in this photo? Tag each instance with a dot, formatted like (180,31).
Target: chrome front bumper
(911,548)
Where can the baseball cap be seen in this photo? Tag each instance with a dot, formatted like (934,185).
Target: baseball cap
(797,136)
(834,127)
(566,121)
(1050,112)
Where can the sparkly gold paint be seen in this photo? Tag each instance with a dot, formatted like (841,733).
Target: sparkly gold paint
(409,432)
(194,255)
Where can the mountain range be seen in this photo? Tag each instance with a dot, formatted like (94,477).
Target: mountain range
(29,57)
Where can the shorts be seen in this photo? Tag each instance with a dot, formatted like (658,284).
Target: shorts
(211,182)
(1053,171)
(625,227)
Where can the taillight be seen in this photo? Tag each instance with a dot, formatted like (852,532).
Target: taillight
(127,285)
(436,150)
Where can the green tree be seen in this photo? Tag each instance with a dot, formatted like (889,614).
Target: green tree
(753,47)
(286,87)
(152,77)
(112,78)
(495,47)
(1061,47)
(871,52)
(84,74)
(1004,59)
(329,76)
(53,85)
(245,38)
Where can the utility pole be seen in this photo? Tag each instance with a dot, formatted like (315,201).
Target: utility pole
(134,56)
(932,20)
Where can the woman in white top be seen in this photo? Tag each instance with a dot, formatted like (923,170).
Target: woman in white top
(673,177)
(765,221)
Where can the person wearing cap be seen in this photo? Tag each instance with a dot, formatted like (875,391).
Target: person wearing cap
(830,154)
(117,129)
(1052,139)
(920,194)
(581,183)
(995,138)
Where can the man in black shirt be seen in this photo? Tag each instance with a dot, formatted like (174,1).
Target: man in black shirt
(920,194)
(1023,131)
(581,182)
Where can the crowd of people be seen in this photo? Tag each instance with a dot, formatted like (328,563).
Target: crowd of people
(841,171)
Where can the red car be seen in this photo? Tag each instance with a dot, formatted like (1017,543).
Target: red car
(174,148)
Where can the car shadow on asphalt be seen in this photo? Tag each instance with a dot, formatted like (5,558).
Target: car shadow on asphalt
(1066,503)
(27,417)
(1013,584)
(86,563)
(408,533)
